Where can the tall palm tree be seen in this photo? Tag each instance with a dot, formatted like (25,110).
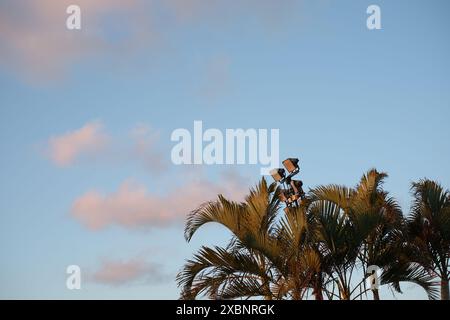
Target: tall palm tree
(429,229)
(302,254)
(336,235)
(378,221)
(240,269)
(267,257)
(366,227)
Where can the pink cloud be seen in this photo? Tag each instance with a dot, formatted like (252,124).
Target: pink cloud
(142,147)
(121,272)
(133,206)
(65,149)
(37,45)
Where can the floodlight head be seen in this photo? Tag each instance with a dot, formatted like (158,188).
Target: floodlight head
(282,197)
(277,174)
(298,184)
(291,164)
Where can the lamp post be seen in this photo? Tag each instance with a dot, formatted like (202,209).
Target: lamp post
(292,192)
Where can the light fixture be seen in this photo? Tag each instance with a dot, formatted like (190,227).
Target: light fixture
(282,197)
(297,187)
(291,192)
(294,198)
(291,164)
(277,174)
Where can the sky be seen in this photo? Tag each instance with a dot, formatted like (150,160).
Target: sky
(86,118)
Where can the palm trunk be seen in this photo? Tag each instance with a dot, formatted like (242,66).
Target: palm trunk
(344,291)
(317,290)
(345,294)
(444,289)
(318,294)
(376,294)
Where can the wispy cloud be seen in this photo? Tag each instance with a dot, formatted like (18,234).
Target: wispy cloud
(124,272)
(64,150)
(35,42)
(142,147)
(134,206)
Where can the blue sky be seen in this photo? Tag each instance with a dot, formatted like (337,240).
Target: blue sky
(345,99)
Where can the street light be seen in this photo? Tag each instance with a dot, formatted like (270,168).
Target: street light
(292,192)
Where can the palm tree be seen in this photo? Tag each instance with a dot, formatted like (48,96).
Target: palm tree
(240,269)
(365,226)
(302,254)
(378,222)
(267,257)
(336,236)
(429,230)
